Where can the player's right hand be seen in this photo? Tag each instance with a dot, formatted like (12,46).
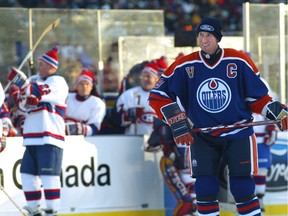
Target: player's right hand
(180,126)
(18,78)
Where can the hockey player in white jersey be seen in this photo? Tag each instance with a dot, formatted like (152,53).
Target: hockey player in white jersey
(133,110)
(43,96)
(85,112)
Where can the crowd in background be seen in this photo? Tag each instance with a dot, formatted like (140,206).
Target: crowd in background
(178,13)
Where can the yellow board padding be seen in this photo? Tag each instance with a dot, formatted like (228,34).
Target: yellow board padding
(126,213)
(226,213)
(276,209)
(270,210)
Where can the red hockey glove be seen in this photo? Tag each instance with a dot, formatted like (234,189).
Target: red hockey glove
(12,132)
(276,110)
(13,95)
(8,130)
(270,136)
(32,100)
(18,78)
(179,124)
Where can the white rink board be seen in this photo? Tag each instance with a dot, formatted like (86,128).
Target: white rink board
(107,173)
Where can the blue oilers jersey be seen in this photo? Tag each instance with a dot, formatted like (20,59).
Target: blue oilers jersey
(220,94)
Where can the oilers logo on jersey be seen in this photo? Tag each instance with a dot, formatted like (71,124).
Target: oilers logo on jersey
(213,95)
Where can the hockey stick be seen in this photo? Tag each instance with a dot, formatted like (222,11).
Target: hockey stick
(137,97)
(237,125)
(2,188)
(29,54)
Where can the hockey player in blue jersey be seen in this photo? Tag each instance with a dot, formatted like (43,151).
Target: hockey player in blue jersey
(216,86)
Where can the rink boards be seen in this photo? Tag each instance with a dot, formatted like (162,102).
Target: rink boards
(111,175)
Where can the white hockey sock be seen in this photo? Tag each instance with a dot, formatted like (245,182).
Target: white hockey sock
(51,186)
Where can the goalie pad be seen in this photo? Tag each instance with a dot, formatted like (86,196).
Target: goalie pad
(161,136)
(270,135)
(171,176)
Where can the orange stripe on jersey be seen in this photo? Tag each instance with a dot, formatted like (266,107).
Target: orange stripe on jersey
(235,53)
(156,102)
(191,57)
(258,105)
(254,153)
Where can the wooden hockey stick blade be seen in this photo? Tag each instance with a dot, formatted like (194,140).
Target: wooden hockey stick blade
(238,125)
(30,53)
(46,30)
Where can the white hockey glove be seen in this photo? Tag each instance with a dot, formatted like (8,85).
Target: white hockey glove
(75,128)
(180,126)
(18,78)
(275,110)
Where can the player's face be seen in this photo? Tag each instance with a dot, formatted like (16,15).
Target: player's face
(84,88)
(207,42)
(148,81)
(45,69)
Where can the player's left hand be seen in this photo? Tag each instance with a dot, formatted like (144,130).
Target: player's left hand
(284,123)
(32,100)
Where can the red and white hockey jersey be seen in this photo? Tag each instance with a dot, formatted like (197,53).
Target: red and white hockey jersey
(136,97)
(90,112)
(44,123)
